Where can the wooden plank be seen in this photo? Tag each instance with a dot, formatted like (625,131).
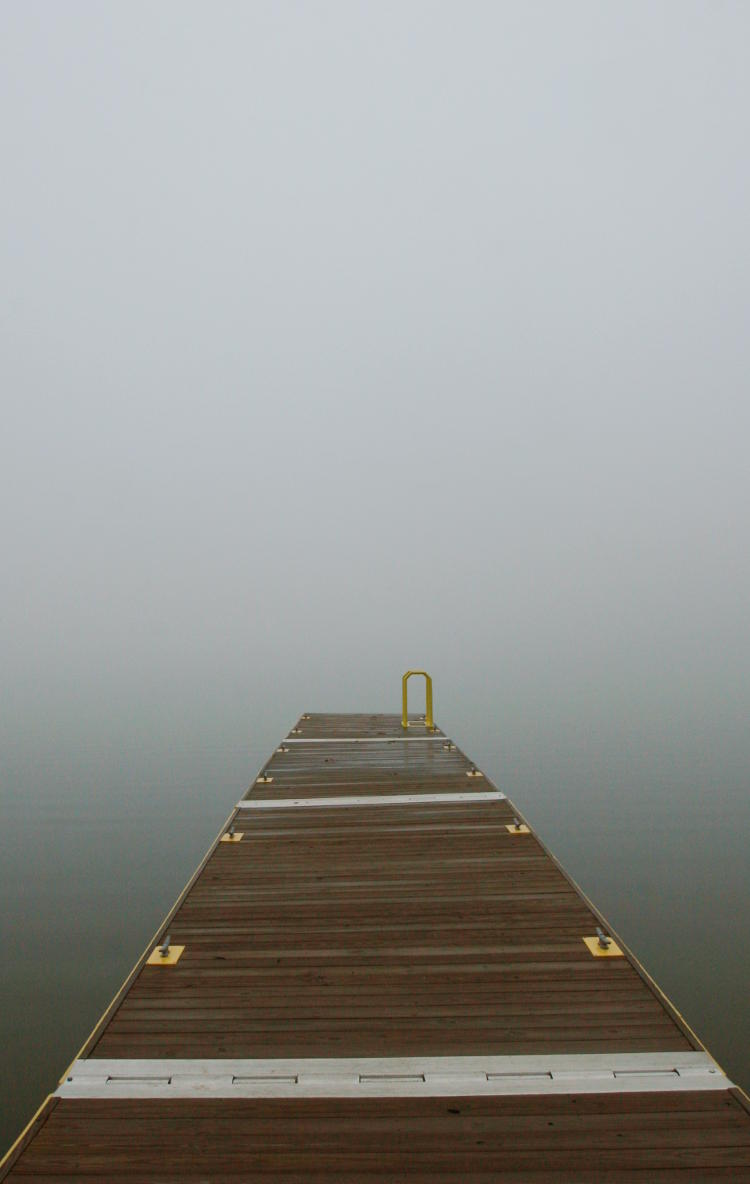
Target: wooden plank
(355,726)
(304,915)
(599,1137)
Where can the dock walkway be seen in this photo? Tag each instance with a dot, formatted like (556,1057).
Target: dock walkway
(379,973)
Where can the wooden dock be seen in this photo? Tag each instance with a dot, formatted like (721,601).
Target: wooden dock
(387,977)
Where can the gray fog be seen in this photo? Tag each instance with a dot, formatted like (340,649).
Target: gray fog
(341,338)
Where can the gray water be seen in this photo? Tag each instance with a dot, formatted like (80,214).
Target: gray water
(337,339)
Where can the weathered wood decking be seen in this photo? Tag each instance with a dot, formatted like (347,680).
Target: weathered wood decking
(386,990)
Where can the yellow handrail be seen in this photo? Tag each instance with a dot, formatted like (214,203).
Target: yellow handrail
(428,720)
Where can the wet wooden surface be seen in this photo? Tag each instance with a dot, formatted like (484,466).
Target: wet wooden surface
(385,931)
(314,725)
(426,929)
(649,1138)
(415,765)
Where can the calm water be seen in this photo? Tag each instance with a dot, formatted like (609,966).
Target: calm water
(109,804)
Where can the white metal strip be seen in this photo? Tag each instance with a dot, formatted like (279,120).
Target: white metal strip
(394,1076)
(389,799)
(363,739)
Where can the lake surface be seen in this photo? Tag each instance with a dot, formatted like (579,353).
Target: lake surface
(109,803)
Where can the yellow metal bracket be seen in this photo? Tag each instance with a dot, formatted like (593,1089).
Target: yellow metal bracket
(429,722)
(170,958)
(599,951)
(232,838)
(521,829)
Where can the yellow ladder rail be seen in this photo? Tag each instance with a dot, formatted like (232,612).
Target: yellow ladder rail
(429,722)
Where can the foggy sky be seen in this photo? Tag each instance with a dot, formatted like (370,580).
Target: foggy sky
(357,335)
(338,338)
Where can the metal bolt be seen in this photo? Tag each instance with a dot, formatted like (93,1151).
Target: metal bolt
(604,941)
(164,947)
(231,831)
(517,823)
